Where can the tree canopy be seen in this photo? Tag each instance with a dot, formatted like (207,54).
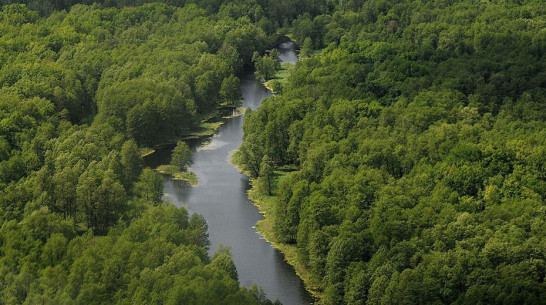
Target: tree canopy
(419,141)
(417,136)
(83,87)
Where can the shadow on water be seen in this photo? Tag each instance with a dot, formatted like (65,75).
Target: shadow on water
(221,197)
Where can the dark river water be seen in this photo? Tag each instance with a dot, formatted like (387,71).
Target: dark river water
(221,197)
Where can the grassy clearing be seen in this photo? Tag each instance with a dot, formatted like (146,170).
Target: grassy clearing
(177,174)
(281,76)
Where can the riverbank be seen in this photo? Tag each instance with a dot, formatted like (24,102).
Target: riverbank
(280,78)
(266,206)
(221,197)
(207,127)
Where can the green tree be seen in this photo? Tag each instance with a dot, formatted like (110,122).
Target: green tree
(265,179)
(111,197)
(306,48)
(131,162)
(230,90)
(150,186)
(223,260)
(266,65)
(181,155)
(54,249)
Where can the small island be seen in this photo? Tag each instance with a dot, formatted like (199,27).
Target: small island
(180,160)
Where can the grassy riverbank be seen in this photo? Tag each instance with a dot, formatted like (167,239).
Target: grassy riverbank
(266,205)
(281,78)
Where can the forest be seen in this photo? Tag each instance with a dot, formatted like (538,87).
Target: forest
(84,88)
(406,159)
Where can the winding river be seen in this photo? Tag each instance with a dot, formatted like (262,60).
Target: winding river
(221,197)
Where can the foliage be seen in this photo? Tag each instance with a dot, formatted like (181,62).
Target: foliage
(307,48)
(82,90)
(419,139)
(264,181)
(176,173)
(230,91)
(266,65)
(181,155)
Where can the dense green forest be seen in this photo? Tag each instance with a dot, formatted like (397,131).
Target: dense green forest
(281,12)
(83,88)
(410,154)
(406,161)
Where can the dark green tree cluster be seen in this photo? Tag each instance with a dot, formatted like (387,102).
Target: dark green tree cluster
(419,138)
(159,258)
(230,91)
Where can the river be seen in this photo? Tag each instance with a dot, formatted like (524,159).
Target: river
(221,197)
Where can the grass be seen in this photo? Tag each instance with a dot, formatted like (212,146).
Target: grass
(240,111)
(204,129)
(281,76)
(266,205)
(177,174)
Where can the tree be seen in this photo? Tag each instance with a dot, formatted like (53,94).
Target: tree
(131,162)
(230,90)
(87,195)
(266,65)
(307,48)
(207,90)
(150,186)
(276,86)
(275,56)
(223,260)
(111,197)
(265,179)
(181,155)
(54,249)
(198,231)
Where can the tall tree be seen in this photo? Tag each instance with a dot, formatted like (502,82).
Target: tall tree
(131,162)
(181,155)
(265,179)
(230,90)
(150,186)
